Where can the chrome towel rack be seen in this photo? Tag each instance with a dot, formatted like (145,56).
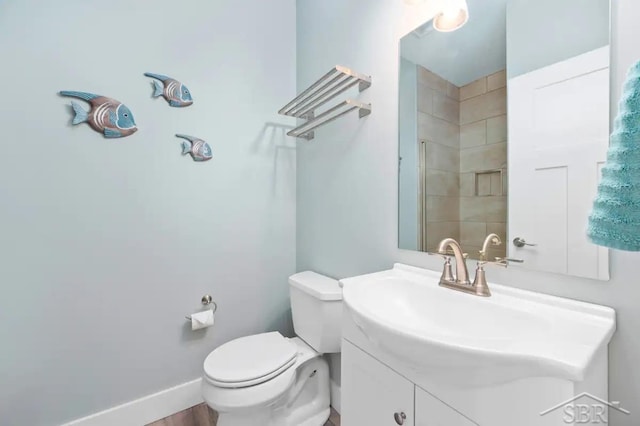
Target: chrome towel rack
(306,130)
(335,82)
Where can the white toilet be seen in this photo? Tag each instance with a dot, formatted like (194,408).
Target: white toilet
(269,380)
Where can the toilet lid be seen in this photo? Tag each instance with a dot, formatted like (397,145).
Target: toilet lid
(250,360)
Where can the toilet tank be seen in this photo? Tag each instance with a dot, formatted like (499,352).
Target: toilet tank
(316,307)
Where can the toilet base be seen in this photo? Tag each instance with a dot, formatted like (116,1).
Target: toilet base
(305,403)
(319,419)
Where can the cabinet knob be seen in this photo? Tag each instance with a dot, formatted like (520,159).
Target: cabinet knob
(400,418)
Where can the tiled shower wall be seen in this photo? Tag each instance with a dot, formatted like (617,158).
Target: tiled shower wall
(483,162)
(439,131)
(464,132)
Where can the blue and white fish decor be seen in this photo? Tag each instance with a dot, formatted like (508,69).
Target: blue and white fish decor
(172,90)
(107,116)
(199,149)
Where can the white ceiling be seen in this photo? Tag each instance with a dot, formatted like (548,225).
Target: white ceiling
(477,49)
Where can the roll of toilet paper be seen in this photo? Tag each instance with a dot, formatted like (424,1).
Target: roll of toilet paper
(201,319)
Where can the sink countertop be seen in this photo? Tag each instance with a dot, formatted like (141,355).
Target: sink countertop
(512,334)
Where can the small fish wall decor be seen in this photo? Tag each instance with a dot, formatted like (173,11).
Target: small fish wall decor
(172,90)
(107,116)
(199,149)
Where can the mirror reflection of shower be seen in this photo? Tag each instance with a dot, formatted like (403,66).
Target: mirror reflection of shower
(453,133)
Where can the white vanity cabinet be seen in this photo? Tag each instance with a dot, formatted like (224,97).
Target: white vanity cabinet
(376,395)
(430,411)
(515,358)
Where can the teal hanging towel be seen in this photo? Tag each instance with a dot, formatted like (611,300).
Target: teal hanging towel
(615,219)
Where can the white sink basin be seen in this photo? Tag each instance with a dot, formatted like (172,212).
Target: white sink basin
(476,340)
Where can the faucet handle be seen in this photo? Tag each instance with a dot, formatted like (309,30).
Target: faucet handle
(490,240)
(497,262)
(500,262)
(447,271)
(504,261)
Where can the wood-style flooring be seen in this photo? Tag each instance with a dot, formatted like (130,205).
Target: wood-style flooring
(334,418)
(202,415)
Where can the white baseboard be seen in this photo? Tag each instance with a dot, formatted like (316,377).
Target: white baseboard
(336,397)
(147,409)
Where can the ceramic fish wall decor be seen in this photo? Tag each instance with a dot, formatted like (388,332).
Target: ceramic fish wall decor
(107,116)
(199,149)
(172,90)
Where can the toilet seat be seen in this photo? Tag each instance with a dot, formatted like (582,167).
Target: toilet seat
(250,360)
(224,399)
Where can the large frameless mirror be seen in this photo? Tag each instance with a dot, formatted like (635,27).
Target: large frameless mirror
(503,128)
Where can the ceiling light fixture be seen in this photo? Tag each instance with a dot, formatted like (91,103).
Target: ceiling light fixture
(453,16)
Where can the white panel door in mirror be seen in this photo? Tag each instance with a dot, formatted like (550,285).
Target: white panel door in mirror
(559,134)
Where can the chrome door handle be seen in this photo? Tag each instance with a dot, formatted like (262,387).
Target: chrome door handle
(520,242)
(400,418)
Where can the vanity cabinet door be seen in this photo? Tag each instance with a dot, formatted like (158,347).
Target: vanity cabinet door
(432,412)
(372,393)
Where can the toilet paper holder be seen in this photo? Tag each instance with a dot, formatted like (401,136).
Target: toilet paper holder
(206,301)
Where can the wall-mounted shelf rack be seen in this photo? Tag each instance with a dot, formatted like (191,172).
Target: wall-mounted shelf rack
(306,130)
(338,80)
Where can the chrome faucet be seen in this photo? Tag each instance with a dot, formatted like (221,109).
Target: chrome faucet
(462,274)
(461,281)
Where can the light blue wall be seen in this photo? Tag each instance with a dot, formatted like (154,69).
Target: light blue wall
(347,186)
(408,180)
(543,32)
(105,245)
